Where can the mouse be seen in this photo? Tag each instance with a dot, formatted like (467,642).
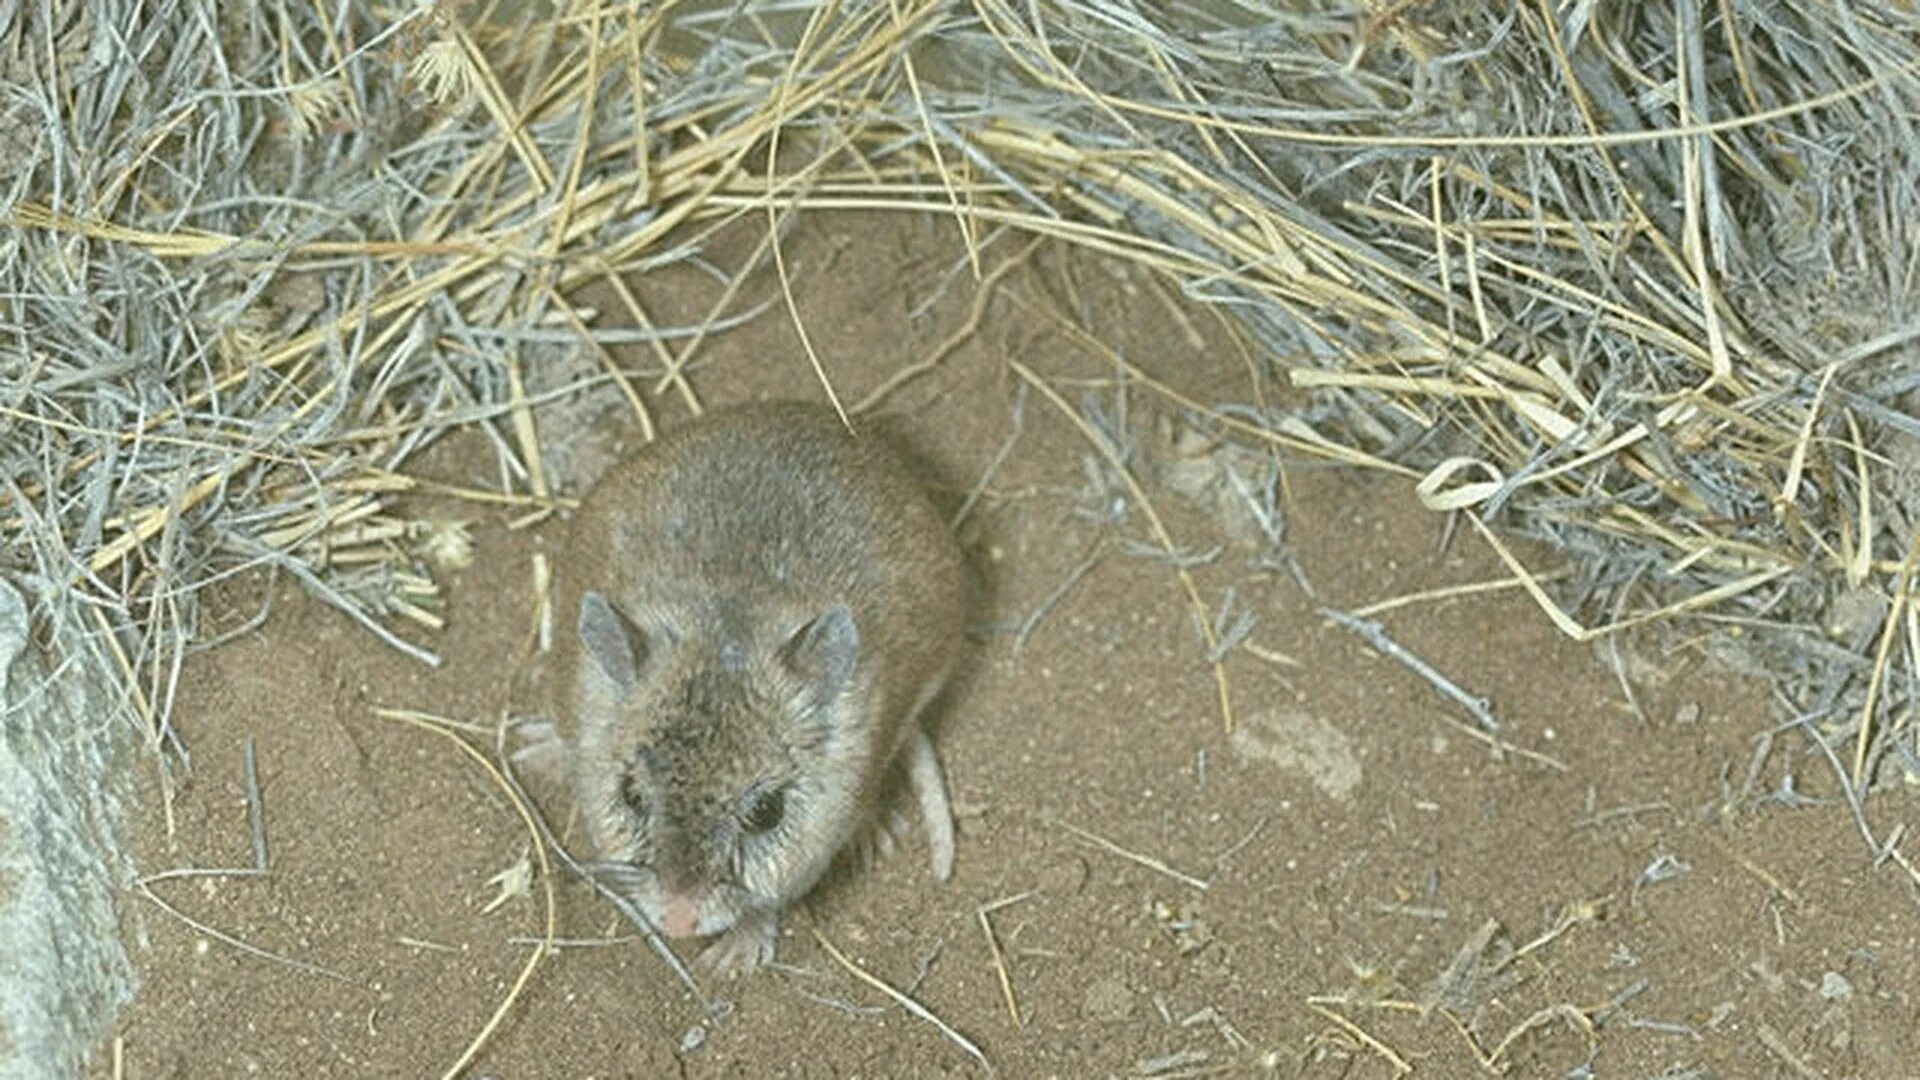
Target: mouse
(758,608)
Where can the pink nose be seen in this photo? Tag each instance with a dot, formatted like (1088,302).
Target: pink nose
(679,916)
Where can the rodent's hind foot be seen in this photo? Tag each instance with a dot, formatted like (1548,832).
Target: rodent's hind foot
(742,948)
(541,749)
(930,787)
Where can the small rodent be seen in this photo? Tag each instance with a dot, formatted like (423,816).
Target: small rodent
(758,607)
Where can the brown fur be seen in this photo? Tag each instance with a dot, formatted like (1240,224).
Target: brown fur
(758,601)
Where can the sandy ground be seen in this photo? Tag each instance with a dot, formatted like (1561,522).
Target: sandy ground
(1349,882)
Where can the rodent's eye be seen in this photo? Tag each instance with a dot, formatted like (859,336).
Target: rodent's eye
(765,810)
(634,794)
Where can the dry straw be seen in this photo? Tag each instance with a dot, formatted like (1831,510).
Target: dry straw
(1636,280)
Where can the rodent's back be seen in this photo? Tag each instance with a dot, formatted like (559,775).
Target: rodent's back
(758,507)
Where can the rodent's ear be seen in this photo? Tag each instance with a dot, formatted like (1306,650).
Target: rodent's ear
(615,645)
(822,652)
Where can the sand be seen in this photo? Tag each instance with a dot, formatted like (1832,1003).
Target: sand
(1349,880)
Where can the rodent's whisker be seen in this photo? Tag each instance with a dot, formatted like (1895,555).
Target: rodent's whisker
(615,874)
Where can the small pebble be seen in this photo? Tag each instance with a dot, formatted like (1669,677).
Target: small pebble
(1108,999)
(1064,877)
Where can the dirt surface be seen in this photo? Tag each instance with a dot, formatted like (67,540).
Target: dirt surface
(1350,880)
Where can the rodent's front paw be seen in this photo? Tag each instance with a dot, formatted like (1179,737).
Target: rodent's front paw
(880,838)
(742,948)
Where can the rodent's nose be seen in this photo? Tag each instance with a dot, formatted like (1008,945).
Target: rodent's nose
(679,916)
